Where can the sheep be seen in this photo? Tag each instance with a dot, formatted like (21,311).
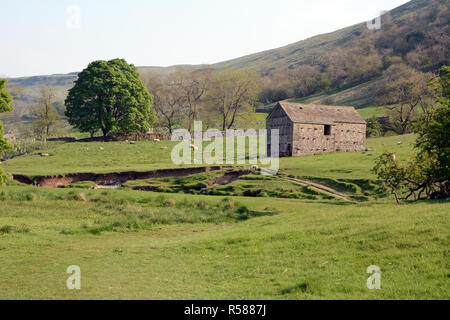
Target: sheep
(156,140)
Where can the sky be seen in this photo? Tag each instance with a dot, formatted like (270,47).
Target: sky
(41,37)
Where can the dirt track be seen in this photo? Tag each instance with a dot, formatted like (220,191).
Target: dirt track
(322,189)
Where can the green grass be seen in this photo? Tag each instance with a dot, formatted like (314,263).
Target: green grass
(88,157)
(309,250)
(149,155)
(99,157)
(268,245)
(252,185)
(190,182)
(372,111)
(348,165)
(256,185)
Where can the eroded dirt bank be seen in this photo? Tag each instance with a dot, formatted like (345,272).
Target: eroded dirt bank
(110,178)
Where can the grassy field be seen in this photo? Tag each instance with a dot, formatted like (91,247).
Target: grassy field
(307,250)
(157,245)
(100,157)
(349,165)
(372,111)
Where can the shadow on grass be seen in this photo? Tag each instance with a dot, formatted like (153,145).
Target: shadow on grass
(242,216)
(303,287)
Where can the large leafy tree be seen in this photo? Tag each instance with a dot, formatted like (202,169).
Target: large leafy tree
(427,175)
(109,96)
(5,106)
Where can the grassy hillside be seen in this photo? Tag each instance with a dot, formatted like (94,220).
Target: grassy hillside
(360,96)
(307,250)
(100,157)
(300,52)
(153,245)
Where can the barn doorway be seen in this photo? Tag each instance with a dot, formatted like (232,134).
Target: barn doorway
(327,130)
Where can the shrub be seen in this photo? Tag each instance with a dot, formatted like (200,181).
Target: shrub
(5,229)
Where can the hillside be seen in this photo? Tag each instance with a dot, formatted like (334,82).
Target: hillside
(283,244)
(286,56)
(405,32)
(305,50)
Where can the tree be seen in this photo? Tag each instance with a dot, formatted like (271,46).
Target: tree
(5,106)
(45,112)
(433,130)
(406,90)
(374,128)
(193,85)
(232,93)
(169,100)
(109,96)
(427,175)
(307,79)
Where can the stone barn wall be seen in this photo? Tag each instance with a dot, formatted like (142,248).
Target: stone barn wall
(350,137)
(310,139)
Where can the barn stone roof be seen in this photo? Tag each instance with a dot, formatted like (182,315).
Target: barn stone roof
(320,114)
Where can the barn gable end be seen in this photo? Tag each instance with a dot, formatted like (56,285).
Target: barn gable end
(279,119)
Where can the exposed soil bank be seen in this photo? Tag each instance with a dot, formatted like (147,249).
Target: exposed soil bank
(109,178)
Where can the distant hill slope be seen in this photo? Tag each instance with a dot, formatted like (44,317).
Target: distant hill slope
(262,62)
(302,52)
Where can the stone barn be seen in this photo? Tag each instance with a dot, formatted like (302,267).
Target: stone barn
(307,129)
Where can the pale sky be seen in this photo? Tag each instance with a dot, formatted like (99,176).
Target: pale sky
(40,37)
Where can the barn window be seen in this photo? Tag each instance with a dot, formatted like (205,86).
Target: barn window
(327,130)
